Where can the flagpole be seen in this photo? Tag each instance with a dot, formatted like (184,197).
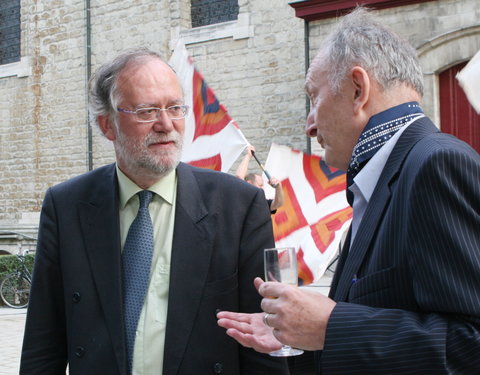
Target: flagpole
(261,166)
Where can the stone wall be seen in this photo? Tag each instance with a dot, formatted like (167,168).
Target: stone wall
(256,66)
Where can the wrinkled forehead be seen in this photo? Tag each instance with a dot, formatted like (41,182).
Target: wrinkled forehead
(315,72)
(309,85)
(149,68)
(313,80)
(147,75)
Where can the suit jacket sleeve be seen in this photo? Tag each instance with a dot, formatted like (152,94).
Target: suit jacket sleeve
(74,312)
(44,346)
(431,325)
(256,236)
(222,225)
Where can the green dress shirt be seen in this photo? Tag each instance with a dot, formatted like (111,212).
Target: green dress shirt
(150,339)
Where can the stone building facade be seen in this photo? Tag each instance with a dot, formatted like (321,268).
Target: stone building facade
(255,61)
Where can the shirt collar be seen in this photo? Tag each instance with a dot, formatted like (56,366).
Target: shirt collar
(165,187)
(367,178)
(379,129)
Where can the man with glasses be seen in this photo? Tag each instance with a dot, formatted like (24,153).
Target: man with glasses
(135,259)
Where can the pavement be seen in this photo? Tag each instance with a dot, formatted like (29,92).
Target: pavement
(12,325)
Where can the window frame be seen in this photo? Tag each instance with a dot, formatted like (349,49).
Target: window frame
(19,69)
(238,29)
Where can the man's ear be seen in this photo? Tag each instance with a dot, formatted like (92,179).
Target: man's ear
(361,83)
(107,127)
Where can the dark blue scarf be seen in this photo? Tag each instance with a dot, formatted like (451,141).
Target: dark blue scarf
(379,129)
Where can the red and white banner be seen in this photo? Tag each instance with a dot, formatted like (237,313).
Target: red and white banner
(212,138)
(315,212)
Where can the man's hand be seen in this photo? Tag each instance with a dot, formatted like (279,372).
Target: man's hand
(250,150)
(298,317)
(273,182)
(249,330)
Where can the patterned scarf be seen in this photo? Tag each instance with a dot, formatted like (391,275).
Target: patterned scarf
(379,129)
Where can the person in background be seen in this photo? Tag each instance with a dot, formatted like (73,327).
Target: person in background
(405,297)
(135,258)
(257,180)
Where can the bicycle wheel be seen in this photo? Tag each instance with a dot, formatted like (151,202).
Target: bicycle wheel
(15,291)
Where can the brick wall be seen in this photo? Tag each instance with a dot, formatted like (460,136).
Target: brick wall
(43,117)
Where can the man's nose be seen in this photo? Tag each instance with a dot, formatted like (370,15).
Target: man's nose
(163,122)
(310,127)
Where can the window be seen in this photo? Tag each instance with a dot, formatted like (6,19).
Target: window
(213,20)
(209,12)
(9,31)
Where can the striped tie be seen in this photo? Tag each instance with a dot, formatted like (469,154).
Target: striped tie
(137,259)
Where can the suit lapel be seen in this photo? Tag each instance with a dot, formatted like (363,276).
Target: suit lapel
(373,213)
(191,253)
(99,220)
(341,262)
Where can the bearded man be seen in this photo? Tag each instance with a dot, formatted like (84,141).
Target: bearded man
(135,259)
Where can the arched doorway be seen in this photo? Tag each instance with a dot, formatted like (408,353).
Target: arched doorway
(457,116)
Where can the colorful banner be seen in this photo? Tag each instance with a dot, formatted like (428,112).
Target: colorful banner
(315,212)
(212,138)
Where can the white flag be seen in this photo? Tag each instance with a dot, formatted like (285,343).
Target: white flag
(212,139)
(315,212)
(469,79)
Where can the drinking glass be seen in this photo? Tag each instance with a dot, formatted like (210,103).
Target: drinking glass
(281,266)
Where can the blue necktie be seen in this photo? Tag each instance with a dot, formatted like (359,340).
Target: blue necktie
(137,259)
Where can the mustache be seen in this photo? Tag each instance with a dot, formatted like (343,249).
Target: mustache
(153,138)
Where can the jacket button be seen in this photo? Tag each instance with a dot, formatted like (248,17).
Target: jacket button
(79,351)
(76,297)
(218,368)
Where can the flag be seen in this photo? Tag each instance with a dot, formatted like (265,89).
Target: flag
(212,138)
(469,79)
(315,212)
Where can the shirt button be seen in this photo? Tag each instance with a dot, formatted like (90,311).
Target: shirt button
(76,297)
(79,351)
(217,368)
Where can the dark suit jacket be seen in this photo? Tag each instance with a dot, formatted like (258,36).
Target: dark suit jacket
(408,289)
(75,314)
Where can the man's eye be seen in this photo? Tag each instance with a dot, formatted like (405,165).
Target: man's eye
(147,111)
(175,109)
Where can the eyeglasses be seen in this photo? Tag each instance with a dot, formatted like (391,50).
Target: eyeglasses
(174,112)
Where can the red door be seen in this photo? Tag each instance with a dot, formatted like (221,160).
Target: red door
(457,116)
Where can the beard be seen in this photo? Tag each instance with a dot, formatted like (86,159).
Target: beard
(138,158)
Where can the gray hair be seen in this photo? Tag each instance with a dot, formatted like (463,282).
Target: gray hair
(103,90)
(359,40)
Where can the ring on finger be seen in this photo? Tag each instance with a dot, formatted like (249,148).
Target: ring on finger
(265,319)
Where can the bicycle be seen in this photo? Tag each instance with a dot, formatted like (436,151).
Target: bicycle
(15,287)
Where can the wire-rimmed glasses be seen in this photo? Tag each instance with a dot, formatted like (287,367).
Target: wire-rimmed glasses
(151,114)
